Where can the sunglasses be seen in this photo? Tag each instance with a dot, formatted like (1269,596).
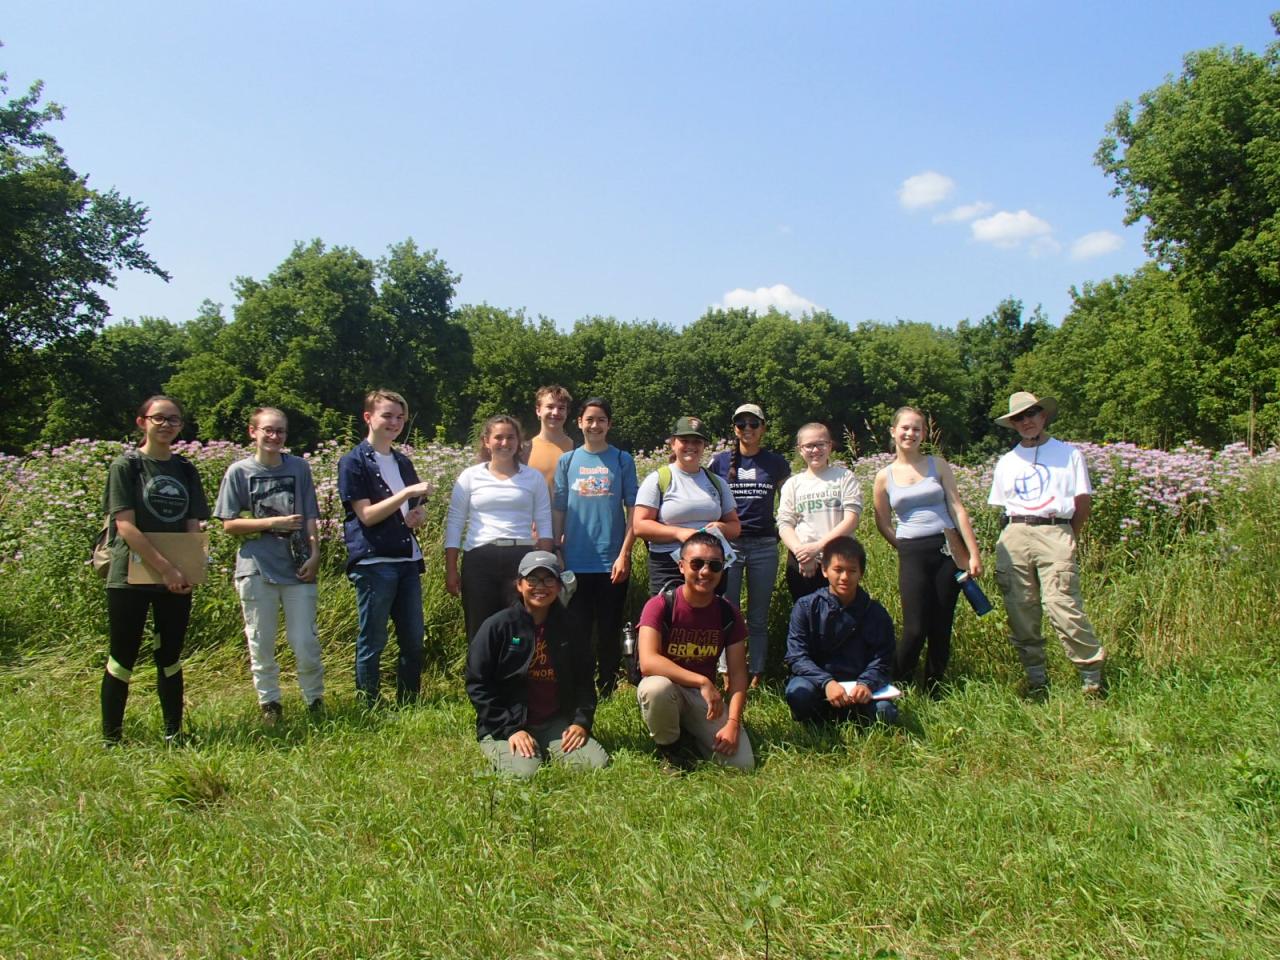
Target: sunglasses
(1025,414)
(697,563)
(747,423)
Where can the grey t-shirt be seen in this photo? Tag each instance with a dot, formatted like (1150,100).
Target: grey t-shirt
(692,501)
(250,489)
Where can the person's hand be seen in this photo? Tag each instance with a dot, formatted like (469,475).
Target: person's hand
(286,524)
(715,702)
(523,745)
(810,568)
(835,694)
(307,572)
(574,736)
(975,565)
(415,517)
(453,583)
(175,581)
(726,738)
(422,490)
(807,555)
(860,693)
(621,568)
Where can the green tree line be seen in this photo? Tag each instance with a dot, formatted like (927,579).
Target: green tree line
(1187,347)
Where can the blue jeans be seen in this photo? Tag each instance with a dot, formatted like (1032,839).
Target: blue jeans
(809,702)
(758,556)
(388,591)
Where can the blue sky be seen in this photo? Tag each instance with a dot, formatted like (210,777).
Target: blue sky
(903,160)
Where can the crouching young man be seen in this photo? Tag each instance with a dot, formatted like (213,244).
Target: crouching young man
(529,676)
(682,633)
(840,634)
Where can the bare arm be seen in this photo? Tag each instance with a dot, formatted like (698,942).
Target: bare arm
(960,515)
(621,569)
(646,525)
(654,663)
(883,513)
(1084,507)
(729,525)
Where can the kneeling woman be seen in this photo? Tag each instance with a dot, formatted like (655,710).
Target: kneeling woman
(148,492)
(529,676)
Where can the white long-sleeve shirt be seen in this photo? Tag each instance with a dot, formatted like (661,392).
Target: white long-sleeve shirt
(488,508)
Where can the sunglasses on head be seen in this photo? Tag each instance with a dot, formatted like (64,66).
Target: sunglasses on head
(747,423)
(697,563)
(1029,412)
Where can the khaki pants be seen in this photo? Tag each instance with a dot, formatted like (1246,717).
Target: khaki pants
(589,756)
(667,707)
(1036,565)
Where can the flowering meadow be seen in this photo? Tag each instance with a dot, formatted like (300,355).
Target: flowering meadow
(1145,501)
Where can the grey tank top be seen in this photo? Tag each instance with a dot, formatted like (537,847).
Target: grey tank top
(921,507)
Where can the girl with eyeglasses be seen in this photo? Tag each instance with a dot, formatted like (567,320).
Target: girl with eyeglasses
(755,475)
(816,506)
(151,490)
(920,491)
(268,500)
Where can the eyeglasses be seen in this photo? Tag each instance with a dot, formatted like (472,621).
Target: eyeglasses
(162,421)
(545,580)
(747,423)
(697,563)
(815,447)
(274,431)
(1025,414)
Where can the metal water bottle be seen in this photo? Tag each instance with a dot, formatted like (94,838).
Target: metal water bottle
(973,593)
(628,640)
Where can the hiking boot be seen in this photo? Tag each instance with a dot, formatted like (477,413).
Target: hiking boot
(316,708)
(1036,693)
(272,713)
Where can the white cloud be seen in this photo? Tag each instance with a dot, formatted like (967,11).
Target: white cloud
(779,296)
(960,214)
(925,189)
(1096,244)
(1005,229)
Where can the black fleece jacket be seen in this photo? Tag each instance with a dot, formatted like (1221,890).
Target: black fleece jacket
(498,670)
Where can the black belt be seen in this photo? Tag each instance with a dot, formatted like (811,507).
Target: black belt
(1038,521)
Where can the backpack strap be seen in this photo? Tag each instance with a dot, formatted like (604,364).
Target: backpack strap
(668,595)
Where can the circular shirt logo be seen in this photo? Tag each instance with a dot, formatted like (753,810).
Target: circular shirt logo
(165,498)
(1032,487)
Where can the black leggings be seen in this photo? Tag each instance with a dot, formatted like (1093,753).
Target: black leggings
(127,615)
(597,606)
(928,588)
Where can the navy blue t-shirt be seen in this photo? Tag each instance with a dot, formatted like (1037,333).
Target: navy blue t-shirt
(756,488)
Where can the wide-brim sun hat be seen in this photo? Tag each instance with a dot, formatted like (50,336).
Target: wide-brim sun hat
(1023,400)
(690,427)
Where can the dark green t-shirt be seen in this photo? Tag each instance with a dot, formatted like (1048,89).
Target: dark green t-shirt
(163,495)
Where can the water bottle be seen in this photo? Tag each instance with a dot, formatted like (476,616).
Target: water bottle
(628,640)
(973,593)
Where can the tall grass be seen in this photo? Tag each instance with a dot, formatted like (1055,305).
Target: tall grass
(986,827)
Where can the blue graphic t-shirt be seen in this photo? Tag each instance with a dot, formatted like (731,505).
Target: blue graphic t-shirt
(591,490)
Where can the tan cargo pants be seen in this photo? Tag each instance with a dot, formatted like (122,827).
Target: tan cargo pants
(1036,565)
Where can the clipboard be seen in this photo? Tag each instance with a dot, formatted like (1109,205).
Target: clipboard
(887,692)
(189,552)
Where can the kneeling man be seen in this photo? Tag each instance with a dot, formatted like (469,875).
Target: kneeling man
(529,676)
(840,634)
(682,633)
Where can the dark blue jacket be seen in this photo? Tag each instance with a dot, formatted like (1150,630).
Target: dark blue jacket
(360,479)
(498,670)
(826,641)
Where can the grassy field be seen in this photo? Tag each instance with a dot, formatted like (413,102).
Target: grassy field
(987,827)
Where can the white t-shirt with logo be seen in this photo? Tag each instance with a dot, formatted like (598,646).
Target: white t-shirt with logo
(1041,481)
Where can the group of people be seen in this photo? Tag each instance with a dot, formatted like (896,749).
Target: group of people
(538,543)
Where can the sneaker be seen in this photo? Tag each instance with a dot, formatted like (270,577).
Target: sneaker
(1094,690)
(316,708)
(1036,693)
(271,713)
(176,740)
(678,756)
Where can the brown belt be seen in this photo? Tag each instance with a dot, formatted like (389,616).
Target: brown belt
(1038,521)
